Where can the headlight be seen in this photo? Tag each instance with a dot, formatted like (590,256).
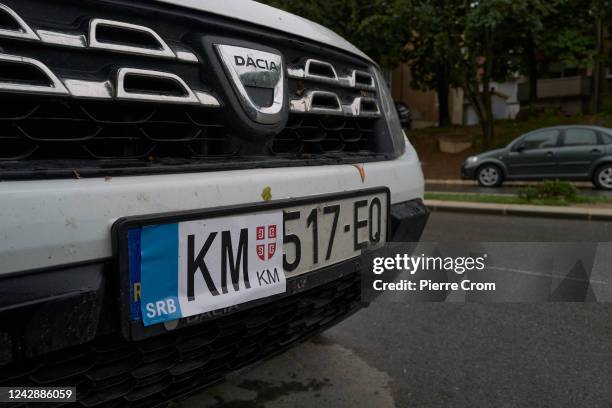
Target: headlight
(472,159)
(390,114)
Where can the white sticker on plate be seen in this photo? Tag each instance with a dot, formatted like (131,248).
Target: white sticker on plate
(194,267)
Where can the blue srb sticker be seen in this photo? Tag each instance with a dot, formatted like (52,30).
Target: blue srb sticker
(158,273)
(153,262)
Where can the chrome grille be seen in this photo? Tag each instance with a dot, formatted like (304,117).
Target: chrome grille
(157,104)
(322,71)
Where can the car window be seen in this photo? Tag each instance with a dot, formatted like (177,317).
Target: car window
(540,140)
(580,137)
(607,139)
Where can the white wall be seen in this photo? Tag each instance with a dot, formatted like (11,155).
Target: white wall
(502,108)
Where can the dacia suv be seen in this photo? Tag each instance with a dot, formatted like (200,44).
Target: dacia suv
(187,187)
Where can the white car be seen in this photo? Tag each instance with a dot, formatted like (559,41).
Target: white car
(187,187)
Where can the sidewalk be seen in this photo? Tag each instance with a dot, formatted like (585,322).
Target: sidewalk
(589,214)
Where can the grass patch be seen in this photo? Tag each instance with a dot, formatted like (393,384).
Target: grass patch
(515,199)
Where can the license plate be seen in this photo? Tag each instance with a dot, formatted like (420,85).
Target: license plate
(217,259)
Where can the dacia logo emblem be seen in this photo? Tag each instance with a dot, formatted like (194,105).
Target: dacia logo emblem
(255,63)
(258,79)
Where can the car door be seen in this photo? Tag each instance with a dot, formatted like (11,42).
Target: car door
(534,155)
(580,147)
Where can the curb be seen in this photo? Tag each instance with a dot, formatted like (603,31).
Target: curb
(589,214)
(453,182)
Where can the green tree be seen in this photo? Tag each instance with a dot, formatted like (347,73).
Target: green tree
(565,37)
(601,11)
(429,51)
(377,27)
(571,36)
(477,42)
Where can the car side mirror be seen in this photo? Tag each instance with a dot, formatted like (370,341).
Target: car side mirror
(520,147)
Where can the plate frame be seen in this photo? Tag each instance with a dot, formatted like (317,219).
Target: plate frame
(135,330)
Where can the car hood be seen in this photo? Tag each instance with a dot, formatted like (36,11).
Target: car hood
(491,153)
(270,17)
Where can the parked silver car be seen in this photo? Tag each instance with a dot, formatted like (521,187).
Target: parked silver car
(560,152)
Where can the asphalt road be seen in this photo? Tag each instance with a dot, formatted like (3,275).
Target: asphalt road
(397,354)
(453,188)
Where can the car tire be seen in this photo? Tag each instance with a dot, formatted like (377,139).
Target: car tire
(489,175)
(602,178)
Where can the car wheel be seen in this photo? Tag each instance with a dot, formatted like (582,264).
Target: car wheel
(489,175)
(603,177)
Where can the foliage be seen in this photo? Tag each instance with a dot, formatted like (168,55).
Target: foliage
(431,42)
(478,41)
(380,28)
(550,189)
(567,35)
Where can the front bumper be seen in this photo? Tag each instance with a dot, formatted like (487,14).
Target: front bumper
(47,311)
(468,172)
(71,315)
(47,223)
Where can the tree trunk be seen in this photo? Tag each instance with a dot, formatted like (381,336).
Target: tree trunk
(597,68)
(532,68)
(488,129)
(487,121)
(442,89)
(488,126)
(485,115)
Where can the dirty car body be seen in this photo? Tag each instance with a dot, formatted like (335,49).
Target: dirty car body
(140,137)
